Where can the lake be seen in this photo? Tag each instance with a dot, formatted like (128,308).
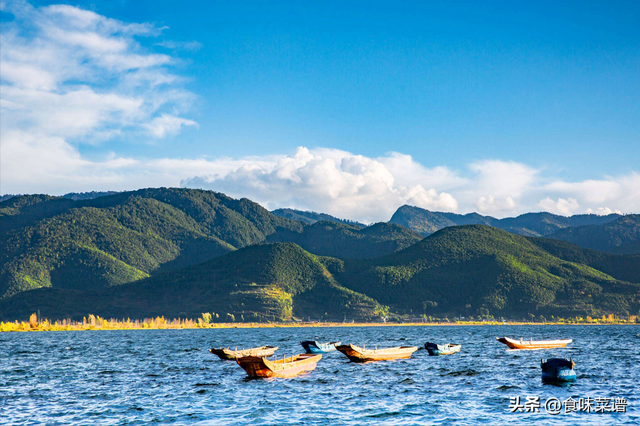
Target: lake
(169,377)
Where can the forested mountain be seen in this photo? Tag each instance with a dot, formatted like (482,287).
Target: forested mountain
(88,195)
(312,217)
(478,269)
(71,195)
(620,236)
(467,270)
(427,222)
(181,252)
(349,241)
(625,268)
(529,224)
(111,240)
(263,282)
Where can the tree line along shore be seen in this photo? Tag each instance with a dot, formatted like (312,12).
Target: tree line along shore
(94,322)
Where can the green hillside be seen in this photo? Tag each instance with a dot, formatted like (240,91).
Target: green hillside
(262,282)
(181,252)
(625,268)
(529,224)
(349,241)
(88,244)
(620,236)
(477,270)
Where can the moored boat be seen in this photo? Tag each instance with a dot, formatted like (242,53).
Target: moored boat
(446,349)
(228,354)
(286,367)
(315,347)
(358,354)
(558,370)
(533,344)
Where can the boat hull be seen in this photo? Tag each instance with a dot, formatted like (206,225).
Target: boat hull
(312,347)
(357,354)
(539,344)
(230,355)
(558,370)
(260,367)
(436,350)
(559,375)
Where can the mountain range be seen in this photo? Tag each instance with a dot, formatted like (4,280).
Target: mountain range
(529,224)
(181,252)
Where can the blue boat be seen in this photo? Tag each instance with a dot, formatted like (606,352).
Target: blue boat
(446,349)
(313,347)
(558,370)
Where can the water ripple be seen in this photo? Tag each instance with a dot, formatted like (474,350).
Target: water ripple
(168,377)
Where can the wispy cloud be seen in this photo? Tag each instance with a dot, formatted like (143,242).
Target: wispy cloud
(167,124)
(71,76)
(190,46)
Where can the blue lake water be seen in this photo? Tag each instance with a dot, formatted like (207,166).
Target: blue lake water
(169,377)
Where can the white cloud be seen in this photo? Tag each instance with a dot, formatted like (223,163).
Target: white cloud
(71,76)
(613,193)
(602,211)
(407,171)
(333,181)
(593,191)
(492,205)
(562,206)
(503,178)
(167,124)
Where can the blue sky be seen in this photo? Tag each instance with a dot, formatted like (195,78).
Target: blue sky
(546,93)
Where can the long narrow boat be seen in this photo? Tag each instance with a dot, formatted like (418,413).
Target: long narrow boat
(446,349)
(358,354)
(533,344)
(228,354)
(558,370)
(286,367)
(315,347)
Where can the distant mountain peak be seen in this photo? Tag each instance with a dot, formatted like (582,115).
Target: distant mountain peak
(529,224)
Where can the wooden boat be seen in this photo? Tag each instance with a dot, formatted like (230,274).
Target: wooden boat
(228,354)
(314,347)
(446,349)
(558,370)
(533,344)
(357,354)
(292,366)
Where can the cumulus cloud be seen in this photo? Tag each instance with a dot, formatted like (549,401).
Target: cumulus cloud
(492,205)
(562,206)
(371,189)
(498,187)
(333,181)
(503,178)
(409,172)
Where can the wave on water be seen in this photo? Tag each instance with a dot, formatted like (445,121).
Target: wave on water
(164,377)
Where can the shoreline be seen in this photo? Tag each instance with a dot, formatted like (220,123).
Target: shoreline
(109,326)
